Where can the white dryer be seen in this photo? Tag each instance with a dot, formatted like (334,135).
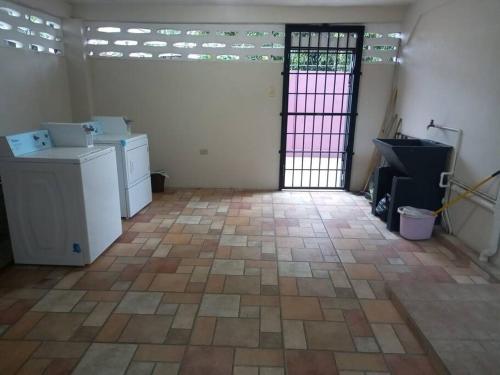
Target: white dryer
(62,202)
(132,157)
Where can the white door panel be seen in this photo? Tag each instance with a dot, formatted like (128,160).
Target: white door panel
(139,196)
(137,164)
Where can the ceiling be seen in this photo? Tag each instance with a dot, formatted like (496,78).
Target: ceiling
(251,2)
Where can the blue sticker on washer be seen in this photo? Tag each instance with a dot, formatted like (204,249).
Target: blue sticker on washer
(123,142)
(76,248)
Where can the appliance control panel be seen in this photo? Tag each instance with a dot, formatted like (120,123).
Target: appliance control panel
(113,125)
(72,134)
(24,143)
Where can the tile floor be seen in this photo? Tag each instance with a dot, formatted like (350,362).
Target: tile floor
(459,323)
(228,282)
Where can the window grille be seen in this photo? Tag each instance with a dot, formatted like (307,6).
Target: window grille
(25,28)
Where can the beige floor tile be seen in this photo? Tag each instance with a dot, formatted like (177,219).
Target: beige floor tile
(294,334)
(220,305)
(139,303)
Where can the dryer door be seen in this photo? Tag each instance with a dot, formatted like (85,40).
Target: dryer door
(137,163)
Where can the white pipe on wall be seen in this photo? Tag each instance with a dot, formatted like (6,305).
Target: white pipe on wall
(495,234)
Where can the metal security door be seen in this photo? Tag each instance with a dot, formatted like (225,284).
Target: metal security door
(320,93)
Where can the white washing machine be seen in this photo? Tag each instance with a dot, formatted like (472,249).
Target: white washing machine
(132,158)
(62,203)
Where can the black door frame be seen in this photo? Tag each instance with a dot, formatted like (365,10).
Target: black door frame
(353,105)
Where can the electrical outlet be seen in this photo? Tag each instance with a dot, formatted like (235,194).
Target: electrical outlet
(203,151)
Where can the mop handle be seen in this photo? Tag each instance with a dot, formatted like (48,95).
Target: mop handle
(465,194)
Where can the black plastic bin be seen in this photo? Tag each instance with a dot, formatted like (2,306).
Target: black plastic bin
(158,182)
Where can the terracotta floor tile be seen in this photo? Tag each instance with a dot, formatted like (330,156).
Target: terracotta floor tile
(97,281)
(220,305)
(158,265)
(113,328)
(362,272)
(124,250)
(178,336)
(242,285)
(104,296)
(300,308)
(169,283)
(252,300)
(387,338)
(143,227)
(34,366)
(103,359)
(159,353)
(14,353)
(228,267)
(85,334)
(357,323)
(60,350)
(15,311)
(380,311)
(166,369)
(146,329)
(237,332)
(184,251)
(185,316)
(307,255)
(182,298)
(408,339)
(142,282)
(258,357)
(305,362)
(248,253)
(271,340)
(294,334)
(288,286)
(99,315)
(203,331)
(60,366)
(328,336)
(409,365)
(201,360)
(177,239)
(139,303)
(360,362)
(56,326)
(270,319)
(294,269)
(315,287)
(23,325)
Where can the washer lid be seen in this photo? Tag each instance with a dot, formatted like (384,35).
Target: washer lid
(117,138)
(72,155)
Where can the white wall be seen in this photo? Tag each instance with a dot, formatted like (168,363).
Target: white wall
(188,106)
(224,107)
(58,8)
(33,88)
(450,74)
(236,14)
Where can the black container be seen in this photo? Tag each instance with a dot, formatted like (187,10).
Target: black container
(157,182)
(412,177)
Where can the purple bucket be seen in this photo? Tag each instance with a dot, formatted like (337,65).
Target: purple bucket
(416,223)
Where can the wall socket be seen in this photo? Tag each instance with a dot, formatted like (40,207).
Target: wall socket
(203,151)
